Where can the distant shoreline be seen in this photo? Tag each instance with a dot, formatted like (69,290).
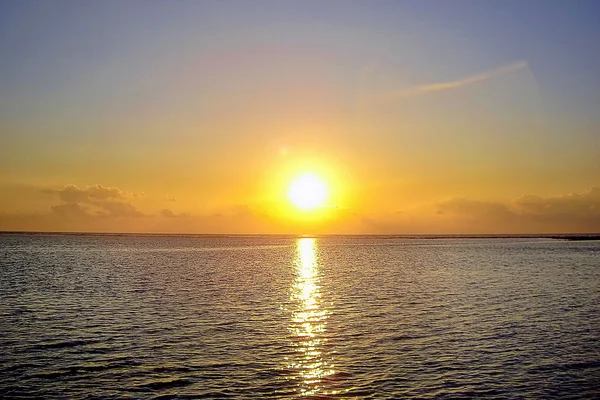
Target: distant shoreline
(561,236)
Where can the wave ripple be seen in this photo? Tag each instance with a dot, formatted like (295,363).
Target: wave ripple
(177,317)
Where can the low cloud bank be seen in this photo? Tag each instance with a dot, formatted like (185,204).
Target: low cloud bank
(93,201)
(109,209)
(575,212)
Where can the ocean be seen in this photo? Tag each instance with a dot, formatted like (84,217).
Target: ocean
(252,317)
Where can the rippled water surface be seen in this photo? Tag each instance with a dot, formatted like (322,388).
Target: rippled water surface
(92,316)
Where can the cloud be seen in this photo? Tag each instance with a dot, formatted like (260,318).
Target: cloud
(459,83)
(574,205)
(73,194)
(575,212)
(113,209)
(474,208)
(167,213)
(71,210)
(101,208)
(99,201)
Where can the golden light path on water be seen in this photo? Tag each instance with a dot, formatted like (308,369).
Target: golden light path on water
(308,322)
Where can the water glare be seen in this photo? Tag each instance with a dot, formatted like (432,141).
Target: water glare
(308,322)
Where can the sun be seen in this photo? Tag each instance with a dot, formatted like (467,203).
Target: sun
(307,192)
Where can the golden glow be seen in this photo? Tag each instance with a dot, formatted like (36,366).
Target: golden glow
(308,322)
(308,192)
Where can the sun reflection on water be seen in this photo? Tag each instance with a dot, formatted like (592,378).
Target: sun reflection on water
(308,322)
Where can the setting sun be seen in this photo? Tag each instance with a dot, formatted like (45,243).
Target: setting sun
(307,192)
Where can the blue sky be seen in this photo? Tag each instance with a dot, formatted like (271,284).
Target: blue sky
(558,38)
(46,45)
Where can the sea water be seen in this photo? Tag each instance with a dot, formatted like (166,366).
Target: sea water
(126,316)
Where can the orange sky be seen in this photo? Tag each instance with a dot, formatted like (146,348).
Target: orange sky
(197,118)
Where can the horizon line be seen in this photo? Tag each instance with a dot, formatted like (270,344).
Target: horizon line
(304,235)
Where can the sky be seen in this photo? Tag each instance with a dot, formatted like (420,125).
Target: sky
(421,117)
